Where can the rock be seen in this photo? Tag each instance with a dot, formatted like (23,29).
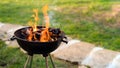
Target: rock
(87,54)
(1,24)
(115,63)
(82,66)
(7,31)
(2,35)
(89,58)
(101,58)
(12,44)
(74,52)
(9,27)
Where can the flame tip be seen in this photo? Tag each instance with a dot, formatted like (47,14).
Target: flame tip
(45,36)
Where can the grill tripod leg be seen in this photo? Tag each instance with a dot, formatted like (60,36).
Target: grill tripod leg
(52,61)
(28,63)
(46,62)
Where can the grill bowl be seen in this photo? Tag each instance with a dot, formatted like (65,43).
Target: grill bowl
(33,47)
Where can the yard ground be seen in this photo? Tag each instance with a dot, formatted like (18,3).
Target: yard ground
(94,21)
(91,21)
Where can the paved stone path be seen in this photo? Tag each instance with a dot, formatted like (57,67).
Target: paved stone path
(76,51)
(7,31)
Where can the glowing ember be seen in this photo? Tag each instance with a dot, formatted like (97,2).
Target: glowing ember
(30,35)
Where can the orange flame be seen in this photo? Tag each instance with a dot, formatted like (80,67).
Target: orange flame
(45,36)
(30,35)
(36,18)
(46,17)
(33,25)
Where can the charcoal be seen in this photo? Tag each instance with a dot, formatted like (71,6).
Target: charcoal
(55,34)
(55,31)
(24,34)
(37,35)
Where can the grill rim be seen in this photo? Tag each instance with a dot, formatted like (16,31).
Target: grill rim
(16,37)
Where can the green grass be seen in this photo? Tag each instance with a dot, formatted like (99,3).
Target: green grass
(14,58)
(94,21)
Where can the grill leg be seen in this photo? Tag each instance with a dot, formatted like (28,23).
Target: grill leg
(52,61)
(31,59)
(28,63)
(46,62)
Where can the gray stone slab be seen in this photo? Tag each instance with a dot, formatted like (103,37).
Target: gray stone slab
(74,53)
(87,54)
(1,24)
(101,58)
(8,27)
(7,31)
(12,44)
(82,66)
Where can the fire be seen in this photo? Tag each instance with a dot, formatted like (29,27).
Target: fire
(30,34)
(36,18)
(45,34)
(46,17)
(33,25)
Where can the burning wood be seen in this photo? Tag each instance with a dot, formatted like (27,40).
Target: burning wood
(51,34)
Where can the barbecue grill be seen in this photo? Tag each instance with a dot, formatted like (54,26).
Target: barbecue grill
(36,47)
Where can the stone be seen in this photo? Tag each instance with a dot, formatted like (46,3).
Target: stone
(87,55)
(9,27)
(115,63)
(82,66)
(1,24)
(6,32)
(74,52)
(12,44)
(101,58)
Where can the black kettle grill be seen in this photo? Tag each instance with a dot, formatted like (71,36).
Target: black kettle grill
(35,47)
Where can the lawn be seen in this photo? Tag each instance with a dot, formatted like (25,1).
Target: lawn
(94,21)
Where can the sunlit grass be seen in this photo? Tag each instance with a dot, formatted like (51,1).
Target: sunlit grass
(95,21)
